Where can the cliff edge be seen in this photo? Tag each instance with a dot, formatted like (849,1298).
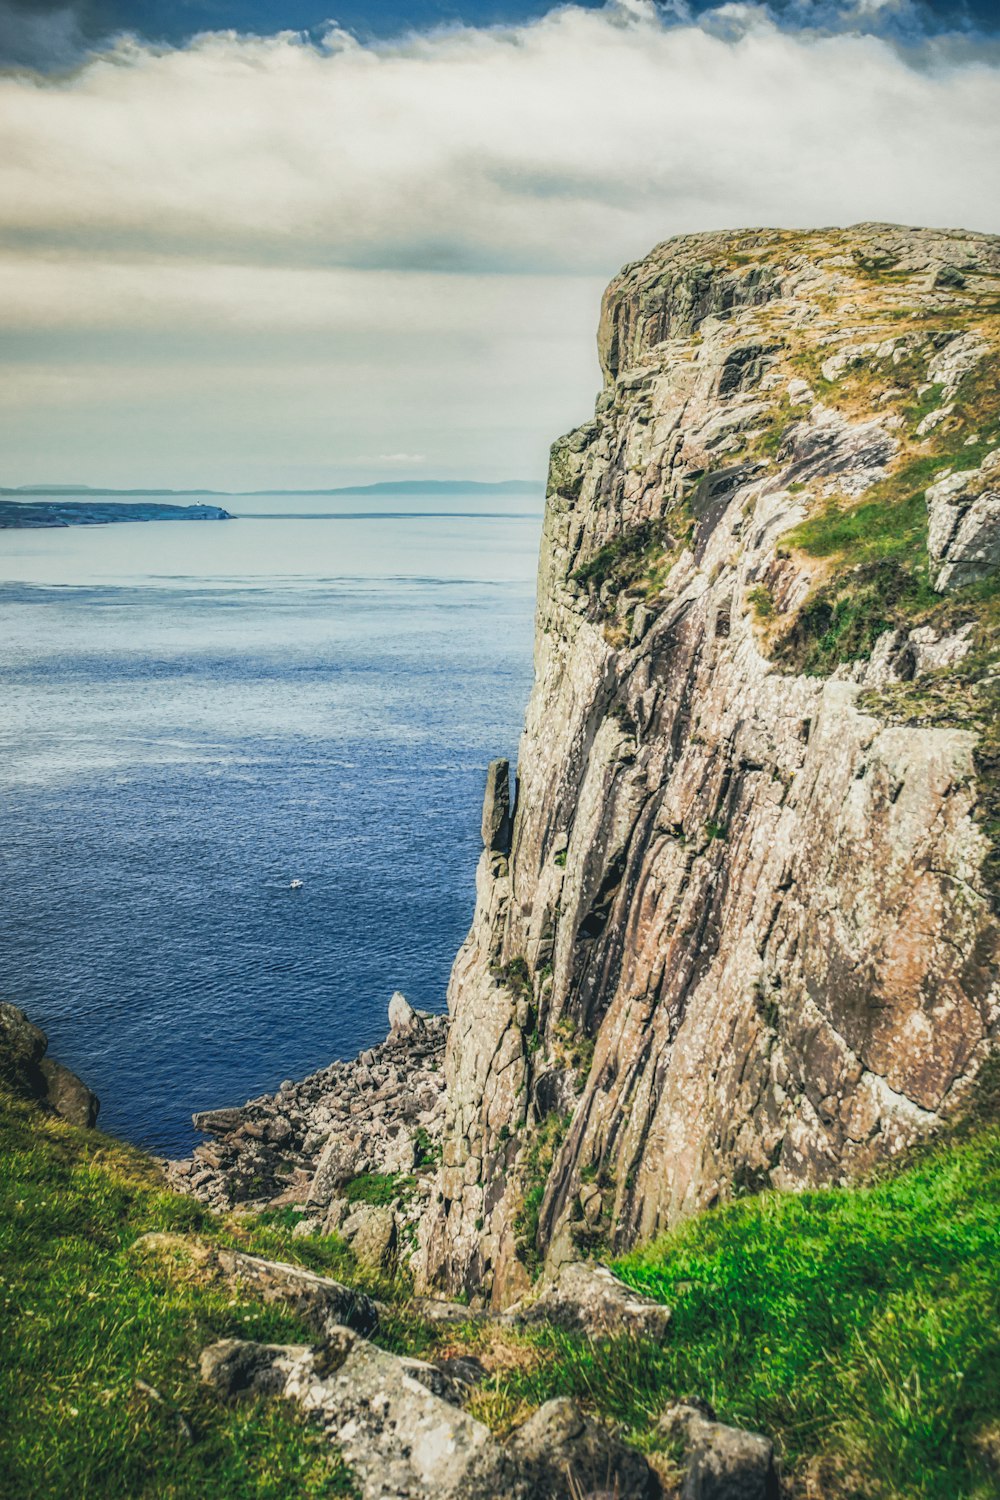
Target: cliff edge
(740,927)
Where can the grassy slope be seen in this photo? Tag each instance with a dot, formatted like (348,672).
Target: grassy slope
(859,1327)
(83,1320)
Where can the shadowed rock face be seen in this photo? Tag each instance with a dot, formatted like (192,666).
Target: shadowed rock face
(742,935)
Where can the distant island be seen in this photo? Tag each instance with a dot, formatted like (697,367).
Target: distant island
(383,487)
(25,514)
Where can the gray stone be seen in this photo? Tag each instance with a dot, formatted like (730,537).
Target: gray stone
(324,1303)
(496,807)
(963,525)
(401,1441)
(338,1163)
(370,1230)
(588,1298)
(721,1463)
(337,1211)
(565,1454)
(402,1017)
(217,1121)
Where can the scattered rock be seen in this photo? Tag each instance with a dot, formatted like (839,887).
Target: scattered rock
(380,1113)
(565,1454)
(588,1298)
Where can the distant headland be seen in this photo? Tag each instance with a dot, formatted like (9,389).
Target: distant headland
(26,514)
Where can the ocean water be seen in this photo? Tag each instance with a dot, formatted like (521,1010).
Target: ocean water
(194,715)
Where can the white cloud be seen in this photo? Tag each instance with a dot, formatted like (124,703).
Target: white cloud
(407,460)
(432,204)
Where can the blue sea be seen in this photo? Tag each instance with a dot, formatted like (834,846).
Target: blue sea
(194,715)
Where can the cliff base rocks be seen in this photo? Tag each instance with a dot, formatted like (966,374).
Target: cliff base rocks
(355,1145)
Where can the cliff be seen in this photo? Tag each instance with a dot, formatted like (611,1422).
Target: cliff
(740,929)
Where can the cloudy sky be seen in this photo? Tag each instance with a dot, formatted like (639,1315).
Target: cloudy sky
(245,244)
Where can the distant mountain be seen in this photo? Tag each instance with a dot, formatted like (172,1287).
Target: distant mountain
(384,487)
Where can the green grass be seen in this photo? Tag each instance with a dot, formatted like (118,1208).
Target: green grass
(378,1188)
(544,1145)
(761,601)
(639,557)
(859,1327)
(84,1319)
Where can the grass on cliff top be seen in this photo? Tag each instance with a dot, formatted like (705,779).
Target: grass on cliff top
(880,577)
(859,1327)
(84,1321)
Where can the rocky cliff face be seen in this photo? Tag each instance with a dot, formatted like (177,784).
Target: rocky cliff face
(741,929)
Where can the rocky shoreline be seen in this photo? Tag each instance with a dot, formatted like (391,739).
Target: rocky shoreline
(354,1146)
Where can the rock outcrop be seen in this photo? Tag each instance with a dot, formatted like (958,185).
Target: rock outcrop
(404,1440)
(740,934)
(26,1070)
(587,1298)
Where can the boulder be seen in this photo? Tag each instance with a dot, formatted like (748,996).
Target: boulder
(26,1070)
(587,1298)
(337,1211)
(370,1230)
(721,1463)
(565,1454)
(217,1121)
(400,1439)
(403,1019)
(338,1163)
(496,808)
(323,1302)
(68,1095)
(22,1047)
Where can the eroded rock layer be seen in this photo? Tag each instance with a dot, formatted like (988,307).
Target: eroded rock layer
(744,933)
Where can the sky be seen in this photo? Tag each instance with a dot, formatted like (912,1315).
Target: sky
(252,244)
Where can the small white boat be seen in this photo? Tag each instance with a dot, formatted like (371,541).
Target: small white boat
(295,885)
